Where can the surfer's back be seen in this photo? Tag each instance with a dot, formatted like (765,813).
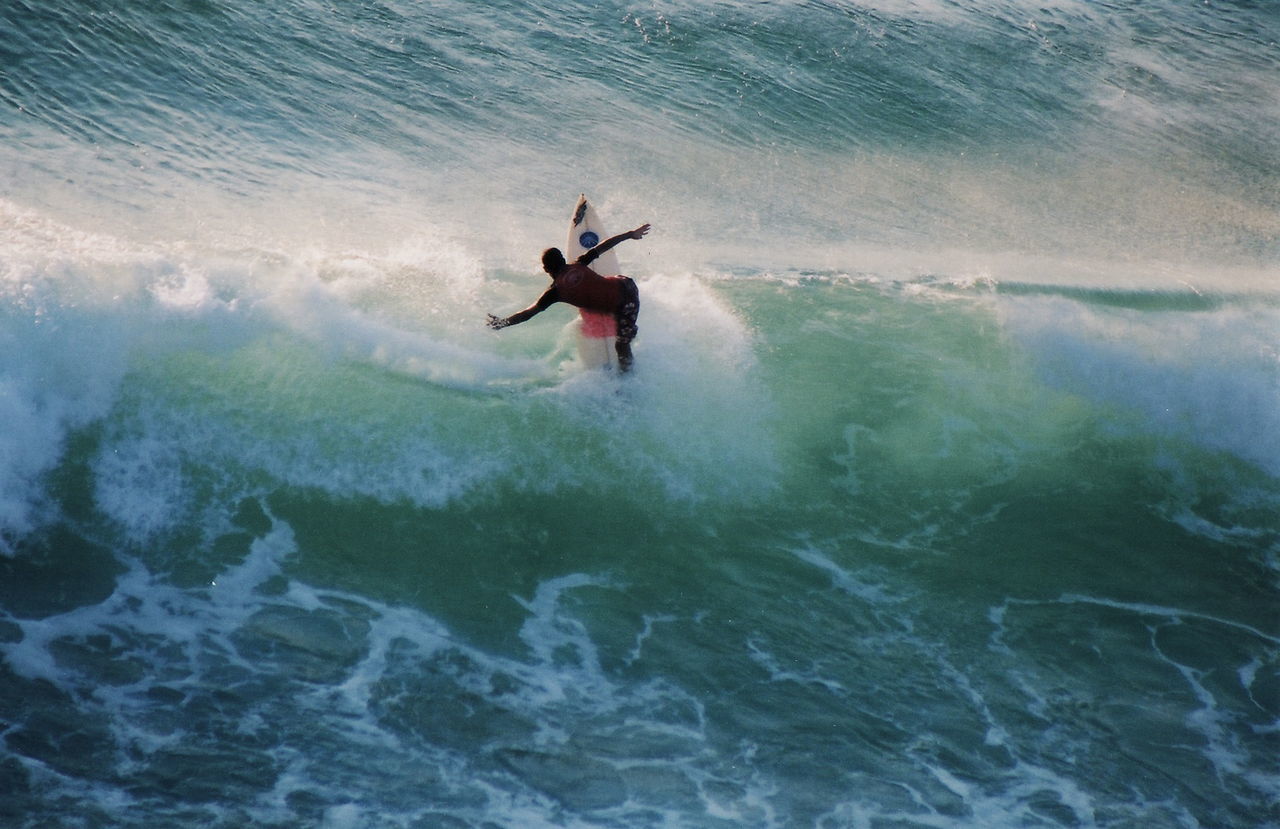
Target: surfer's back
(582,287)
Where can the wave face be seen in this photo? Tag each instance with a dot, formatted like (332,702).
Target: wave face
(945,491)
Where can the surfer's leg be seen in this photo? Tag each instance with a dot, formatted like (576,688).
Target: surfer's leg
(626,319)
(623,348)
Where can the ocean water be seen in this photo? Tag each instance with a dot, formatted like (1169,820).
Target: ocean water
(945,491)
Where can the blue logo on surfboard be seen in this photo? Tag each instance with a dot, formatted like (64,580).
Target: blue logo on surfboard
(588,239)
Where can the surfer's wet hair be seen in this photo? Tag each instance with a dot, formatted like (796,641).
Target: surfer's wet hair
(552,260)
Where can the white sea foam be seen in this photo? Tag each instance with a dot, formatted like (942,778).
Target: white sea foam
(63,352)
(696,417)
(1211,377)
(873,593)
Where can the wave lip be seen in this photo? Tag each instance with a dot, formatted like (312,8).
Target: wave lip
(1195,367)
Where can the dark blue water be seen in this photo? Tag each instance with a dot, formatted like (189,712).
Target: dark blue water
(945,491)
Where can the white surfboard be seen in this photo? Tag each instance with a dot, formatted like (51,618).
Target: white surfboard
(595,330)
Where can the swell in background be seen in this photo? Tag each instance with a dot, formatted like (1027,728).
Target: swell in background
(810,134)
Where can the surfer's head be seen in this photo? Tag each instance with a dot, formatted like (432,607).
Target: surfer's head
(552,261)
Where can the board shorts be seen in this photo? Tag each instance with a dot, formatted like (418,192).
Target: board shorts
(628,311)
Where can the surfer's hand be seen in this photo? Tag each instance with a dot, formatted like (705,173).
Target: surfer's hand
(496,323)
(640,231)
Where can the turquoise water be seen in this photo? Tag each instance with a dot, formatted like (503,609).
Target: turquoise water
(945,491)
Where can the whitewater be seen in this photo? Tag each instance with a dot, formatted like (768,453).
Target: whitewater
(945,491)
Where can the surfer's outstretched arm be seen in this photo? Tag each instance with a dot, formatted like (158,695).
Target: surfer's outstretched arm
(590,256)
(544,302)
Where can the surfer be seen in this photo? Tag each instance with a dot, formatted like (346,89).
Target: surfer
(580,286)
